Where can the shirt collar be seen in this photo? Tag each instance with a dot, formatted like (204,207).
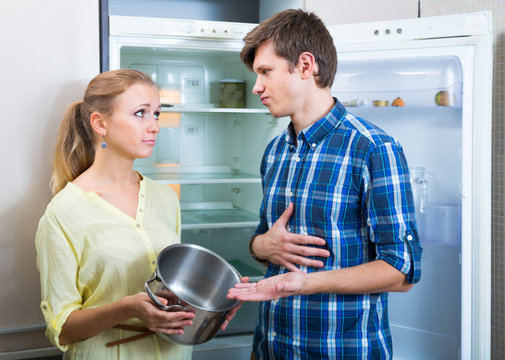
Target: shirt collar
(316,132)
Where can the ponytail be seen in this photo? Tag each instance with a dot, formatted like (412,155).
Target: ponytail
(74,151)
(75,146)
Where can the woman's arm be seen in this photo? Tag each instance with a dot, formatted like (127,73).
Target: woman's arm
(85,323)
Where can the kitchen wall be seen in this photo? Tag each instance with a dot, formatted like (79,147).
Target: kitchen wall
(446,7)
(49,53)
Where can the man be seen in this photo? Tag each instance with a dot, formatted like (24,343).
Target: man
(337,225)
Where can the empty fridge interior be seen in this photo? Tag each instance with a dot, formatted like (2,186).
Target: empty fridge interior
(426,321)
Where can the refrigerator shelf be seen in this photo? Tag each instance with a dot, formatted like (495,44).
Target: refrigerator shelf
(205,110)
(204,178)
(369,111)
(221,218)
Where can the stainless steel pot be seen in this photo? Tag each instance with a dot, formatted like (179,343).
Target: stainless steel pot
(193,278)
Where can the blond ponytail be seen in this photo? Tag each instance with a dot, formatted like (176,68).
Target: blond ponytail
(74,151)
(75,145)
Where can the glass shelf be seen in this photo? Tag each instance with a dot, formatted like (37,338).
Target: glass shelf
(204,178)
(200,109)
(221,218)
(255,272)
(358,110)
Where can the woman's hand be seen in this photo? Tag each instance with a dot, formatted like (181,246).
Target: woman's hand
(275,287)
(156,319)
(233,311)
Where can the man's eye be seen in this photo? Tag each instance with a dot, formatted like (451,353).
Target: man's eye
(140,113)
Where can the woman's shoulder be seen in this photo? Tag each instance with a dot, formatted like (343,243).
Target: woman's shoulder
(158,189)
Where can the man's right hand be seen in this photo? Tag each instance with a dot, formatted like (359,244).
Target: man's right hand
(281,247)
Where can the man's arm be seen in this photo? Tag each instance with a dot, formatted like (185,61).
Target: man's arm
(373,277)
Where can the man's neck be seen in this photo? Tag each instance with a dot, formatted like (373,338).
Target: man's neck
(313,108)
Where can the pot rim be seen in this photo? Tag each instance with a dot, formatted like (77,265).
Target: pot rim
(201,248)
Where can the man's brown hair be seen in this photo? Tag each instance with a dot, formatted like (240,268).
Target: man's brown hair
(293,32)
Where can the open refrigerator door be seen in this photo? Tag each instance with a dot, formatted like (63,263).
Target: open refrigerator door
(427,82)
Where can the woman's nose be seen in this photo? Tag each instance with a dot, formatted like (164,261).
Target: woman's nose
(154,126)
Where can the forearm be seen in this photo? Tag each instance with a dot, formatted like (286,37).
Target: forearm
(373,277)
(85,323)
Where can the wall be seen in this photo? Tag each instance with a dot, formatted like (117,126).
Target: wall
(334,12)
(49,53)
(446,7)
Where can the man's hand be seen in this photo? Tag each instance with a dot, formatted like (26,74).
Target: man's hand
(272,288)
(281,247)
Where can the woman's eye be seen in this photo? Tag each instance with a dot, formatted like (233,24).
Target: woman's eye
(157,115)
(140,113)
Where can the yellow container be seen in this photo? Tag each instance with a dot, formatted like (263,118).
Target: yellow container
(232,93)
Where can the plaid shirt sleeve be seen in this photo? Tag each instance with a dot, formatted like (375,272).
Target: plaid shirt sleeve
(390,211)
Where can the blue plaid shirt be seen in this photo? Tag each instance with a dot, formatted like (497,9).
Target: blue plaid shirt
(350,185)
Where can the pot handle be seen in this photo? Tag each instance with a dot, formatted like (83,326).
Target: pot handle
(155,299)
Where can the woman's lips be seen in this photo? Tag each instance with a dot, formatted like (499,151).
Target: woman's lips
(150,142)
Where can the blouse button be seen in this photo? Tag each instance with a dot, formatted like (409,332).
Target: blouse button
(138,226)
(140,210)
(141,195)
(154,262)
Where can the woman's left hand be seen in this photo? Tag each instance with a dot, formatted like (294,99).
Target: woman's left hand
(272,288)
(233,311)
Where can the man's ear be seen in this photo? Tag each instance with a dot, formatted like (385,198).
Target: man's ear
(307,65)
(98,123)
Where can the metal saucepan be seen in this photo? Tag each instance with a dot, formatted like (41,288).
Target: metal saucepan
(193,278)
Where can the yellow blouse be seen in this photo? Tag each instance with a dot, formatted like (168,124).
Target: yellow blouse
(90,253)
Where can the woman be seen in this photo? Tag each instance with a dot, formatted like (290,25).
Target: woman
(99,238)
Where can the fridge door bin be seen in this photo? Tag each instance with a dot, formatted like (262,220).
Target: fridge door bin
(440,223)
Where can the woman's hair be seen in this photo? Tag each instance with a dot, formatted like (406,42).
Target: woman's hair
(293,32)
(75,144)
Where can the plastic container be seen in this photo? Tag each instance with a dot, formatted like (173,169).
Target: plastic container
(232,93)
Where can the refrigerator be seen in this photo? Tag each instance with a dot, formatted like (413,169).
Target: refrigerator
(425,81)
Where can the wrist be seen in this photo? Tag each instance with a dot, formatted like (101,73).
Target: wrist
(253,254)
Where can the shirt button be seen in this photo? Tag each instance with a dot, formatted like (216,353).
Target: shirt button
(410,237)
(290,193)
(291,148)
(313,145)
(297,159)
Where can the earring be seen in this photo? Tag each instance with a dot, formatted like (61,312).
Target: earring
(103,144)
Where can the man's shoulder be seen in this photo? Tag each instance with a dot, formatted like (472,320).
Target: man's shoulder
(365,131)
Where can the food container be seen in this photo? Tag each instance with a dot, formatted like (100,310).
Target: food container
(193,278)
(232,93)
(381,103)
